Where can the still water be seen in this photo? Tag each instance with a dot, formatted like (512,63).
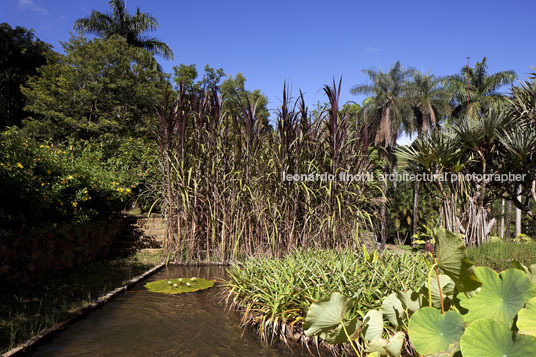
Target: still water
(141,323)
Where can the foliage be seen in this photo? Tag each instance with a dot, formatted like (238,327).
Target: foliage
(42,183)
(499,255)
(99,88)
(225,177)
(475,88)
(401,211)
(273,293)
(21,53)
(120,23)
(179,285)
(471,319)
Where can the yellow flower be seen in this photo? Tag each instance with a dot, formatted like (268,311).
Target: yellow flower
(70,177)
(19,165)
(128,190)
(49,172)
(75,204)
(70,147)
(42,184)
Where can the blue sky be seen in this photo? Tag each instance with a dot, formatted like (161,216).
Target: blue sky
(307,43)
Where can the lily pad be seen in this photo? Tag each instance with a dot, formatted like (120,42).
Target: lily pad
(451,256)
(431,333)
(526,319)
(486,337)
(501,296)
(179,285)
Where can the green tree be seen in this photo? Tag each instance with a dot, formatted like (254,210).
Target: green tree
(133,28)
(187,74)
(240,99)
(429,100)
(21,53)
(475,91)
(99,88)
(389,109)
(390,113)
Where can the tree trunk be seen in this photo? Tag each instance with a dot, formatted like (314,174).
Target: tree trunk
(518,212)
(415,206)
(383,214)
(508,217)
(501,234)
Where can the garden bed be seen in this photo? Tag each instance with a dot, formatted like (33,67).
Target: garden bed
(274,295)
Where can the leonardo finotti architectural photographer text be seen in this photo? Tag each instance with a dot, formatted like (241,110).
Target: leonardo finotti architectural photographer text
(399,177)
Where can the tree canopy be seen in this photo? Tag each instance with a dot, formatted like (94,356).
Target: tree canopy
(133,28)
(21,53)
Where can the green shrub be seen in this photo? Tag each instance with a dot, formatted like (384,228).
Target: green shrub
(43,183)
(281,290)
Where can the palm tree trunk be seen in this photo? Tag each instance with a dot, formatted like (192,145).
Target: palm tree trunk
(383,214)
(501,234)
(415,206)
(508,217)
(518,212)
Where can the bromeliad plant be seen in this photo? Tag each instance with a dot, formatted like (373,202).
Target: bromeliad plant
(464,311)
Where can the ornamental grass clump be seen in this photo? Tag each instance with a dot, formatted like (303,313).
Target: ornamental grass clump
(225,191)
(274,295)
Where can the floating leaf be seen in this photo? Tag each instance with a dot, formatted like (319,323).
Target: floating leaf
(393,309)
(373,325)
(526,319)
(430,332)
(179,285)
(391,347)
(501,296)
(486,337)
(325,318)
(452,258)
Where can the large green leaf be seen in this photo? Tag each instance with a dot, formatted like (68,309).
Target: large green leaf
(393,310)
(391,347)
(430,332)
(447,289)
(486,337)
(526,319)
(452,258)
(530,271)
(500,297)
(410,300)
(373,325)
(325,319)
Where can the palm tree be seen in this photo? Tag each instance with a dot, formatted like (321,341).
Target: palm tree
(475,91)
(391,113)
(132,28)
(389,109)
(429,100)
(430,103)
